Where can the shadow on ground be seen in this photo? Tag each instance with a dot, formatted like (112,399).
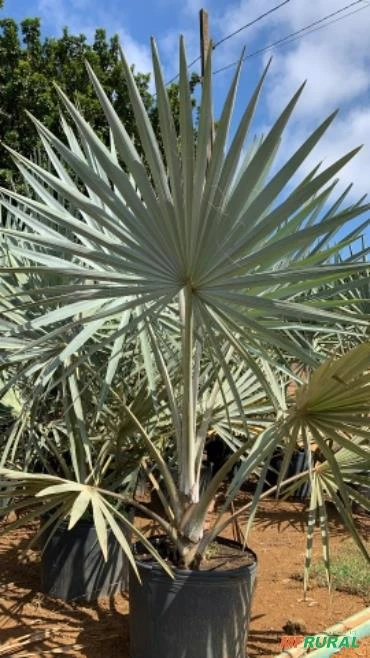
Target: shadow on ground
(97,629)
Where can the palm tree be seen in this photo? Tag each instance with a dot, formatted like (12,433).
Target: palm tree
(216,266)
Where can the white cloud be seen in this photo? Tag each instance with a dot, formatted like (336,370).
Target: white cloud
(335,61)
(347,132)
(332,81)
(136,52)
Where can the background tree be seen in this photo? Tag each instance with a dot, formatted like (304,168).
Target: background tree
(29,65)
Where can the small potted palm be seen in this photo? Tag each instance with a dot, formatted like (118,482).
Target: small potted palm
(74,566)
(60,437)
(76,430)
(221,268)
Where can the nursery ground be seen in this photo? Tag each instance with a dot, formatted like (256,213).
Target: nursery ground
(83,630)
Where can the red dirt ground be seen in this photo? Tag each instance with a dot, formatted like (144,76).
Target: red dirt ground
(101,629)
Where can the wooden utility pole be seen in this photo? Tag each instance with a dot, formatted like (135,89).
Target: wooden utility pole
(205,45)
(204,39)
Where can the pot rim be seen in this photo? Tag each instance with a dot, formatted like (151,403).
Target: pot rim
(236,573)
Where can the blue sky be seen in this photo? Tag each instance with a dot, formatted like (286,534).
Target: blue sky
(335,60)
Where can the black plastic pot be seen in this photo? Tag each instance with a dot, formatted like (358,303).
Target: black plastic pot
(199,614)
(73,566)
(298,464)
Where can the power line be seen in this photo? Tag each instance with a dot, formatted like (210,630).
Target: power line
(255,20)
(232,34)
(196,59)
(316,29)
(293,36)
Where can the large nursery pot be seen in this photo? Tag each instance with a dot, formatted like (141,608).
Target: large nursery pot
(73,566)
(198,614)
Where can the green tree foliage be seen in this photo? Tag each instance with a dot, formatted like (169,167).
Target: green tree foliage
(29,65)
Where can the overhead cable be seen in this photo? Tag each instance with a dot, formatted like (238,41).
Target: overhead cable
(255,20)
(232,34)
(308,29)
